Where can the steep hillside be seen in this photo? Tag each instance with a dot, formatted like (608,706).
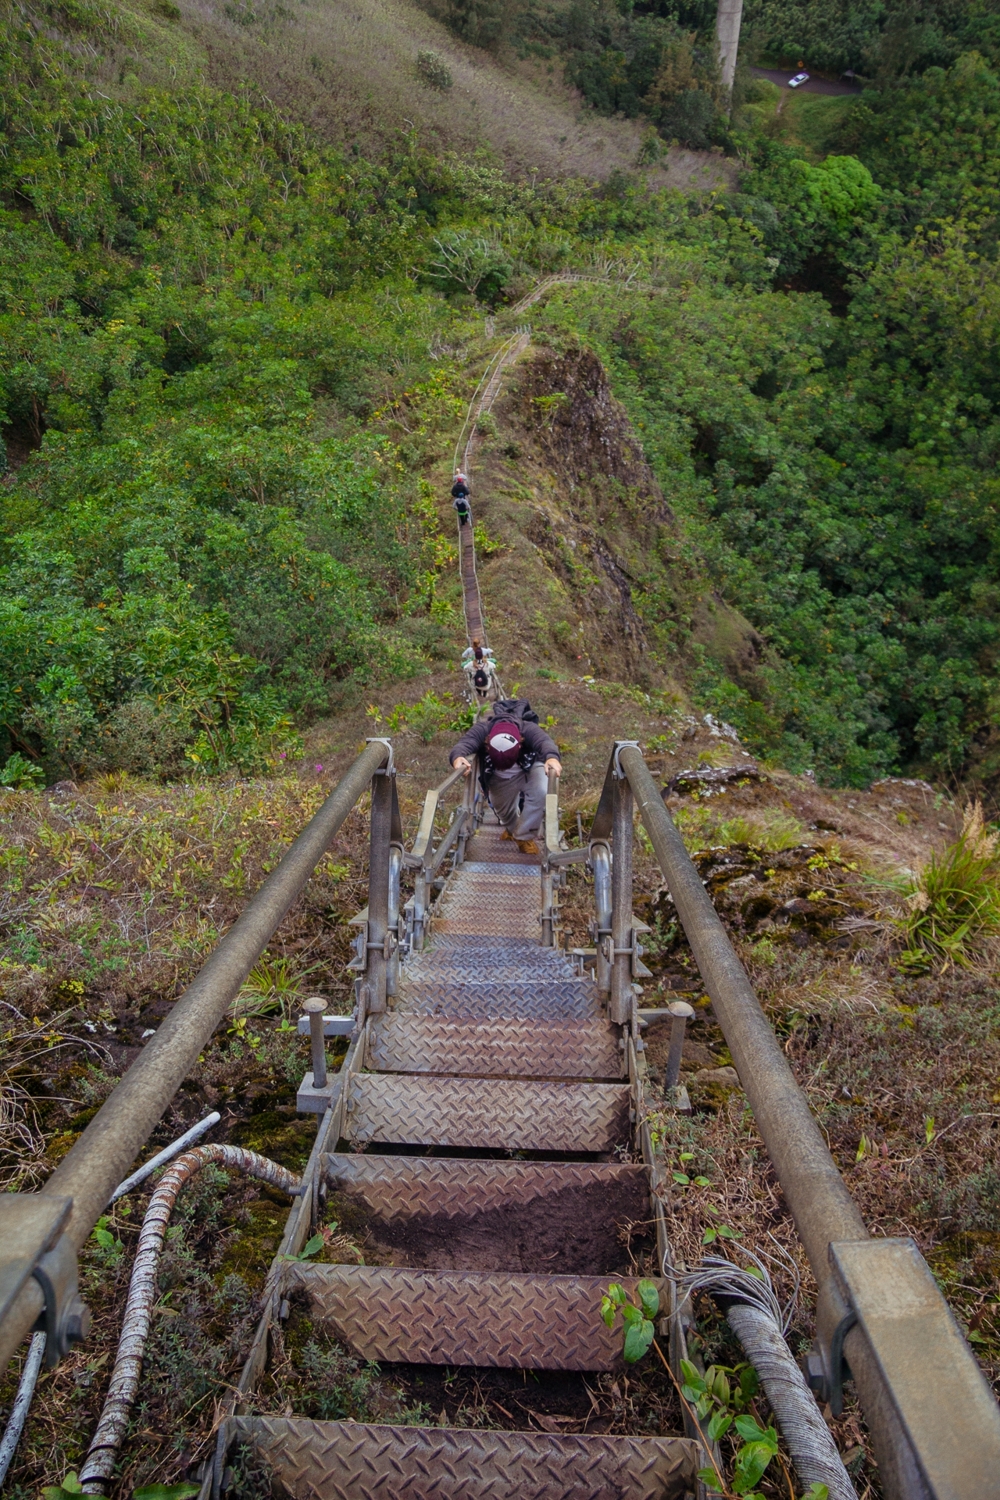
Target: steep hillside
(350,71)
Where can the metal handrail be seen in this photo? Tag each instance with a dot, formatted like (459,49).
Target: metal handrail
(430,809)
(426,860)
(936,1431)
(552,812)
(108,1147)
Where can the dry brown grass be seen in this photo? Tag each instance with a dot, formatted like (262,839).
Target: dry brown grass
(347,68)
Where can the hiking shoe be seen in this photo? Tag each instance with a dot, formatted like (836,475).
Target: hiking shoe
(527,846)
(506,835)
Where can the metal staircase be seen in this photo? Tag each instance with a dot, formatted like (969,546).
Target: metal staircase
(494,1044)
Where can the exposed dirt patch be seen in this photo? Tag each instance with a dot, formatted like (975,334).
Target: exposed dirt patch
(597,1230)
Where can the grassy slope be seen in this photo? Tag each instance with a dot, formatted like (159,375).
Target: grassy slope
(346,69)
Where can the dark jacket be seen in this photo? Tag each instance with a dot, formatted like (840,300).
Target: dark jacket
(536,745)
(459,490)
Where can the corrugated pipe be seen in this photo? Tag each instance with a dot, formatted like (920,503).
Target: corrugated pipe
(103,1451)
(760,1323)
(29,1376)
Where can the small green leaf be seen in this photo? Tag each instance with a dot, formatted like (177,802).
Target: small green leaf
(718,1384)
(751,1432)
(631,1315)
(638,1337)
(70,1486)
(104,1238)
(608,1311)
(649,1296)
(710,1236)
(816,1491)
(727,1233)
(702,1182)
(719,1424)
(751,1461)
(686,1156)
(749,1383)
(690,1373)
(682,1178)
(311,1247)
(710,1478)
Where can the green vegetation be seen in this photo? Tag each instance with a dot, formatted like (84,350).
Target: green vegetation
(722,1398)
(954,902)
(229,356)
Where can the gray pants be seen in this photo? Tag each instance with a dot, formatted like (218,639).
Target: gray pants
(504,794)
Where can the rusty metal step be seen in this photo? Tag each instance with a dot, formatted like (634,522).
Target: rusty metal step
(487,1113)
(486,1319)
(407,1042)
(568,1000)
(461,1214)
(362,1461)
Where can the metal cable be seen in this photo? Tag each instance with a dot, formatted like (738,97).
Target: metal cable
(760,1322)
(104,1446)
(167,1154)
(810,1443)
(19,1411)
(721,1278)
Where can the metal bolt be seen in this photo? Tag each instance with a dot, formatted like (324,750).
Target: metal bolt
(314,1007)
(680,1013)
(814,1370)
(78,1324)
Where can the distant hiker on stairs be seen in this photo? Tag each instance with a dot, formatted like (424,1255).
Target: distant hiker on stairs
(516,755)
(460,497)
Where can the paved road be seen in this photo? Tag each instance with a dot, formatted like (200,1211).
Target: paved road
(780,76)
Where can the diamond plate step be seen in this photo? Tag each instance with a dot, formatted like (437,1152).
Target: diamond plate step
(484,1319)
(502,905)
(493,872)
(454,1214)
(570,1000)
(494,924)
(492,851)
(491,1114)
(361,1461)
(402,1042)
(489,960)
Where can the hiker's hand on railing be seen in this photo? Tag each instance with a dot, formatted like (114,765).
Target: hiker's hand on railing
(461,764)
(553,767)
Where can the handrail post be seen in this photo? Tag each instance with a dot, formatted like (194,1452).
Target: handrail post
(549,874)
(620,1010)
(380,940)
(395,935)
(468,806)
(600,863)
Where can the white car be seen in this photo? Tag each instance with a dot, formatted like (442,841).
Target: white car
(798,80)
